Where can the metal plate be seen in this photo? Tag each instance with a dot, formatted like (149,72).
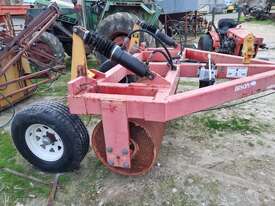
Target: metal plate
(236,72)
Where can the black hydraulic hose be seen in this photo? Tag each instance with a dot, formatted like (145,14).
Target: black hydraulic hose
(161,35)
(162,44)
(114,52)
(107,65)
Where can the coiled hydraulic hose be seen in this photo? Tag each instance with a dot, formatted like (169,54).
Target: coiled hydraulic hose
(114,52)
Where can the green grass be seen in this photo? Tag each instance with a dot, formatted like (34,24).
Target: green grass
(13,188)
(189,83)
(58,88)
(234,123)
(92,63)
(255,21)
(198,126)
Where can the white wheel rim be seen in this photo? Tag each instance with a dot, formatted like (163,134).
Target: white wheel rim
(44,142)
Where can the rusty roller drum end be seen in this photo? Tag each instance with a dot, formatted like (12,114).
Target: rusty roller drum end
(145,141)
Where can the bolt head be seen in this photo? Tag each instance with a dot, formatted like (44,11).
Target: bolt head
(125,152)
(126,165)
(111,162)
(109,149)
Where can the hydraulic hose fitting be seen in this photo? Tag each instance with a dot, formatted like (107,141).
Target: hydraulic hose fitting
(114,52)
(162,36)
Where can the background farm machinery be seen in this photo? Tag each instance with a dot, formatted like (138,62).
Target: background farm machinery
(21,68)
(260,9)
(189,23)
(115,18)
(112,19)
(228,38)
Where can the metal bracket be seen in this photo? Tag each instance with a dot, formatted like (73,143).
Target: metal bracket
(116,133)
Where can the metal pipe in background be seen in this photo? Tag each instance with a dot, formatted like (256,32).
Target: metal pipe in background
(213,15)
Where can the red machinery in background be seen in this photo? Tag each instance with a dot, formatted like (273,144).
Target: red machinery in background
(228,38)
(14,10)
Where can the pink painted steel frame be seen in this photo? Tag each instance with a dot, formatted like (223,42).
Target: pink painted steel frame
(157,100)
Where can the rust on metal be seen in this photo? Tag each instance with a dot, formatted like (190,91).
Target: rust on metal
(53,190)
(16,51)
(145,141)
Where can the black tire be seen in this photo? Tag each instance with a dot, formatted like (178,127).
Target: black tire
(78,124)
(205,43)
(226,23)
(53,45)
(113,26)
(70,129)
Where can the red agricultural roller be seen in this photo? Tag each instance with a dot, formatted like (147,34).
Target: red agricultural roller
(133,113)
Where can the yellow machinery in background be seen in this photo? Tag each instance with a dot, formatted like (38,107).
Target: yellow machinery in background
(248,50)
(12,89)
(79,60)
(230,8)
(10,85)
(17,79)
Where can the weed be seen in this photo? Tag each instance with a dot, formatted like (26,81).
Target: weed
(59,87)
(231,124)
(255,21)
(56,88)
(260,142)
(189,83)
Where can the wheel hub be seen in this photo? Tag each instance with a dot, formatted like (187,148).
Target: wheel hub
(44,142)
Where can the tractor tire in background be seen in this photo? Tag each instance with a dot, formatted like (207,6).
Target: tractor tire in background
(226,23)
(115,27)
(205,43)
(50,137)
(50,44)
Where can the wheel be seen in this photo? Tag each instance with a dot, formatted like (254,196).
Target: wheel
(205,43)
(145,140)
(225,24)
(47,50)
(49,137)
(79,126)
(115,27)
